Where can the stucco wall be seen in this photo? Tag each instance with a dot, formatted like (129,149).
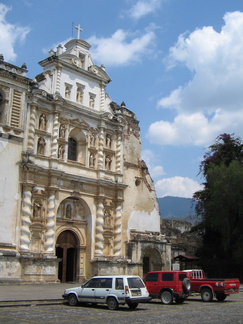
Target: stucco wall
(9,195)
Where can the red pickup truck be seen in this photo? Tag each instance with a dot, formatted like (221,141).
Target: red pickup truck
(210,288)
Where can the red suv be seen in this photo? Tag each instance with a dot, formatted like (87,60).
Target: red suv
(168,286)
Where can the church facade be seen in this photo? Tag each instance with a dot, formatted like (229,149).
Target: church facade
(76,200)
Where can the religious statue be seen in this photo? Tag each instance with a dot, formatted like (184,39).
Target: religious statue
(91,101)
(92,140)
(107,217)
(69,211)
(79,96)
(108,162)
(62,131)
(41,146)
(61,151)
(42,122)
(108,141)
(91,160)
(37,209)
(67,93)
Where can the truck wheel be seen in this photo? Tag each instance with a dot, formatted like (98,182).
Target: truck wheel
(72,300)
(186,284)
(221,297)
(207,295)
(112,303)
(166,297)
(133,305)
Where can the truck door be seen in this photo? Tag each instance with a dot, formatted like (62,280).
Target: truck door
(103,290)
(151,282)
(88,291)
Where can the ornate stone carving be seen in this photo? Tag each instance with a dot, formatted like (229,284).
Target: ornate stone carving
(50,223)
(25,220)
(99,239)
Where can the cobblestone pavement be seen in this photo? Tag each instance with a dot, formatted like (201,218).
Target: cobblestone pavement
(193,311)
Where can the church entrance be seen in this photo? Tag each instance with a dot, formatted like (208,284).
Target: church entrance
(67,251)
(151,260)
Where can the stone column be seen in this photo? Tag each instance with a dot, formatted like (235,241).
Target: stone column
(55,133)
(58,78)
(118,230)
(101,149)
(31,135)
(118,153)
(50,223)
(102,96)
(25,219)
(99,238)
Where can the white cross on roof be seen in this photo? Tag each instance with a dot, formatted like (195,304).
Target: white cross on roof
(78,31)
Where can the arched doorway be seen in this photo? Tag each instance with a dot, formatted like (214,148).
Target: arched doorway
(151,260)
(66,249)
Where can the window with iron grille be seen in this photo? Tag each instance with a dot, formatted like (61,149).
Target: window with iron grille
(72,149)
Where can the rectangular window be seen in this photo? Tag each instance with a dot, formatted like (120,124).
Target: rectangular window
(105,283)
(119,284)
(167,276)
(152,277)
(72,149)
(182,276)
(135,282)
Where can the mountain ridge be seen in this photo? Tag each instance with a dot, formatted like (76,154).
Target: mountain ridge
(177,208)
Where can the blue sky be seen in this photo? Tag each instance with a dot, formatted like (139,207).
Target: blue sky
(177,64)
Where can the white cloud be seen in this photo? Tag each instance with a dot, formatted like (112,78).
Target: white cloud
(176,186)
(120,48)
(10,35)
(212,101)
(144,7)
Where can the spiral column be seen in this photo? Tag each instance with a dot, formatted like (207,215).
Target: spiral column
(25,219)
(118,153)
(118,231)
(101,149)
(102,96)
(31,135)
(50,223)
(99,238)
(58,78)
(54,144)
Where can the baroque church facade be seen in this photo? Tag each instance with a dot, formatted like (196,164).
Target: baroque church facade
(76,200)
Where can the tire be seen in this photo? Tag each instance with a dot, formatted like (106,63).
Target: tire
(133,305)
(166,297)
(221,297)
(112,303)
(180,300)
(206,295)
(186,285)
(72,300)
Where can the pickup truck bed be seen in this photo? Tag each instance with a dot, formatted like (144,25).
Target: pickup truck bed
(210,288)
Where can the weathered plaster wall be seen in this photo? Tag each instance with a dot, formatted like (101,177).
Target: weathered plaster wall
(9,195)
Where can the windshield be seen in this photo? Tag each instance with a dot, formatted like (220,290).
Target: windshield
(135,282)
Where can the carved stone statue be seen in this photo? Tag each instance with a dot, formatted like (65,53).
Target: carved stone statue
(61,151)
(91,160)
(41,146)
(37,209)
(108,141)
(107,217)
(42,122)
(62,131)
(69,211)
(108,162)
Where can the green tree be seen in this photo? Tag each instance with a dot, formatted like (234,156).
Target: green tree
(220,205)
